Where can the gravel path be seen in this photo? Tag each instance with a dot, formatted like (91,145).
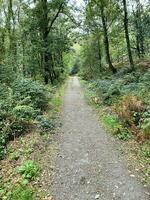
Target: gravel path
(89,165)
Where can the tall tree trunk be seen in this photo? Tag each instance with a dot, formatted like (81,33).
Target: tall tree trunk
(106,41)
(127,35)
(12,49)
(139,30)
(99,54)
(46,27)
(45,33)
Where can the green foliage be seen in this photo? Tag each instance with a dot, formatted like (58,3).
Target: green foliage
(75,68)
(9,129)
(45,123)
(13,155)
(28,170)
(124,136)
(106,89)
(6,100)
(110,121)
(127,94)
(3,141)
(33,92)
(24,112)
(20,192)
(146,149)
(146,128)
(18,127)
(20,103)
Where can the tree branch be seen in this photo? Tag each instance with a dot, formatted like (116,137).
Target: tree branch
(55,17)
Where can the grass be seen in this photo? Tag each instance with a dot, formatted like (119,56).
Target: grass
(109,121)
(57,101)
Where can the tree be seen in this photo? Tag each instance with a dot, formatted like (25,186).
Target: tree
(139,28)
(127,34)
(98,10)
(106,41)
(46,24)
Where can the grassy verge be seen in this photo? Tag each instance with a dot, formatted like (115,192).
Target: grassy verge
(26,157)
(138,154)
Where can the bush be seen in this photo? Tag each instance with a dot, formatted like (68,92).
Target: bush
(107,90)
(9,129)
(3,141)
(146,77)
(130,110)
(124,136)
(24,112)
(6,99)
(146,129)
(45,123)
(11,125)
(110,121)
(20,192)
(34,92)
(21,102)
(17,128)
(28,170)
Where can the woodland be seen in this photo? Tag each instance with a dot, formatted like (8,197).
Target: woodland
(42,42)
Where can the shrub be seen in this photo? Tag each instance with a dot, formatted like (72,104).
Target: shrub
(146,77)
(20,192)
(9,129)
(124,135)
(3,141)
(110,121)
(146,129)
(22,101)
(24,112)
(4,132)
(102,86)
(36,93)
(106,89)
(45,123)
(28,170)
(6,99)
(146,149)
(17,128)
(112,92)
(130,110)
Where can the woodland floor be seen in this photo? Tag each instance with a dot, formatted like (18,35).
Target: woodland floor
(88,163)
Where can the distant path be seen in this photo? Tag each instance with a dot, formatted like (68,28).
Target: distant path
(88,165)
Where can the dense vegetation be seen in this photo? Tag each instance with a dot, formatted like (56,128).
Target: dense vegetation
(114,62)
(109,47)
(115,59)
(34,44)
(35,39)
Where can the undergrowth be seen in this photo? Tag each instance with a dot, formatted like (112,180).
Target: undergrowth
(123,102)
(29,116)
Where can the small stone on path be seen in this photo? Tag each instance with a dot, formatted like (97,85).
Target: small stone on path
(97,196)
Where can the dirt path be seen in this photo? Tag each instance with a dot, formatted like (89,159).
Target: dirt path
(88,165)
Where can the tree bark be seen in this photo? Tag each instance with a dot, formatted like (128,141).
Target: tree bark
(139,30)
(106,41)
(45,30)
(99,55)
(127,35)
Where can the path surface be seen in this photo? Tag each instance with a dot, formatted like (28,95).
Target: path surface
(88,165)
